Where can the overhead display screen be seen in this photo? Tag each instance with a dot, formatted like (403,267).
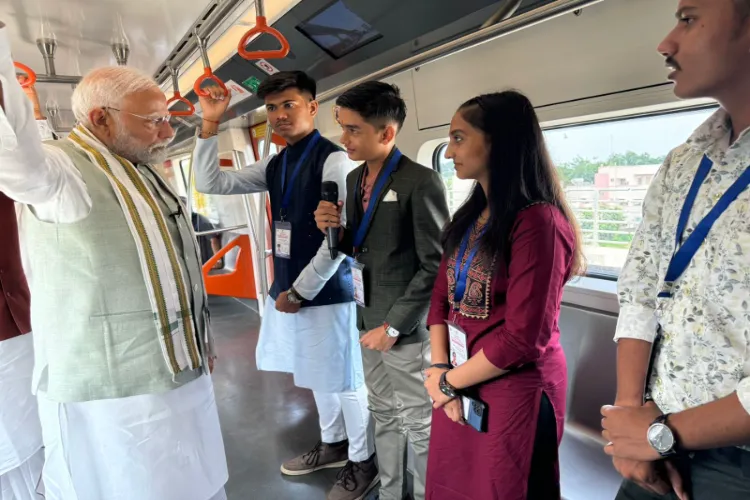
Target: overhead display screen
(337,30)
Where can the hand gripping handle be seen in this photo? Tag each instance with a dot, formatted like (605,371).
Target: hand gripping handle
(208,75)
(31,76)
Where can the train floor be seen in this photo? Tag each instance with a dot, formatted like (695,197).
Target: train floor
(267,420)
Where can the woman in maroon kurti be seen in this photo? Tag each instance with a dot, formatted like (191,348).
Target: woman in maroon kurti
(527,247)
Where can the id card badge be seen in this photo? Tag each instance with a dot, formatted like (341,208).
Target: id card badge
(459,354)
(358,277)
(283,247)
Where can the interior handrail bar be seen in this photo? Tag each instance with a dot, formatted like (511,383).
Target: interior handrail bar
(261,27)
(208,21)
(512,25)
(221,230)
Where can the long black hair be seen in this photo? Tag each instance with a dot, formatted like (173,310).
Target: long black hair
(521,173)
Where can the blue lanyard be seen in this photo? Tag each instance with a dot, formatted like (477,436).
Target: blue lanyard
(364,226)
(287,194)
(462,271)
(684,252)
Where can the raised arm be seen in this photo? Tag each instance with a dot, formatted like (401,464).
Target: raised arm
(211,179)
(316,274)
(30,172)
(429,213)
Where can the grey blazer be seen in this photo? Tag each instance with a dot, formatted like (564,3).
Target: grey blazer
(401,251)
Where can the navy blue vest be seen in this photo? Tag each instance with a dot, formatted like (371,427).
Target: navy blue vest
(306,237)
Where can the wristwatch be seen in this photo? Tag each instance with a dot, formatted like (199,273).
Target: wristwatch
(390,331)
(446,387)
(661,438)
(293,297)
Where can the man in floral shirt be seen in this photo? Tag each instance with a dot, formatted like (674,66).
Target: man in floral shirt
(682,414)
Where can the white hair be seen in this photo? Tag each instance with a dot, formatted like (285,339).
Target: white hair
(106,88)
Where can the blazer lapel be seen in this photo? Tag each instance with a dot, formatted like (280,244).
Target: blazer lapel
(387,185)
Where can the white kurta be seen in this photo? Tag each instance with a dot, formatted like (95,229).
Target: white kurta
(319,345)
(20,433)
(151,447)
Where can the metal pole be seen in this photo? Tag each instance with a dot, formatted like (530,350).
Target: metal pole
(48,47)
(220,231)
(526,20)
(208,21)
(262,212)
(504,12)
(257,234)
(69,80)
(260,9)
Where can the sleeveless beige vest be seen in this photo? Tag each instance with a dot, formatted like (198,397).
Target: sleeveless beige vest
(90,311)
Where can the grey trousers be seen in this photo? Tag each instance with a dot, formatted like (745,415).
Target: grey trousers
(723,473)
(402,412)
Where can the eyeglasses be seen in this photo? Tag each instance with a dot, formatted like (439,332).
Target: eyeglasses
(154,122)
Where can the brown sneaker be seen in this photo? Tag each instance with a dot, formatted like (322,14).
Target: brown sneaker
(322,456)
(355,480)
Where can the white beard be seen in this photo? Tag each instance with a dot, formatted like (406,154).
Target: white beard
(128,147)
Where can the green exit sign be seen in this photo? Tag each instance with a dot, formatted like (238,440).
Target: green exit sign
(252,83)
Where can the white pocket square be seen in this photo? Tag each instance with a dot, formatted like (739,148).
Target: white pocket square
(390,196)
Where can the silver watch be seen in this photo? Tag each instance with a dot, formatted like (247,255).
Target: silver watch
(661,438)
(390,331)
(293,297)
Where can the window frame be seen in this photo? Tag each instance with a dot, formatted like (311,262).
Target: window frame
(439,150)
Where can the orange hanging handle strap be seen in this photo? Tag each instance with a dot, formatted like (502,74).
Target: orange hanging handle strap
(30,75)
(178,98)
(208,74)
(261,26)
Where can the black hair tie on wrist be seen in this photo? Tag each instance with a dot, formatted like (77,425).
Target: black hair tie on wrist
(444,366)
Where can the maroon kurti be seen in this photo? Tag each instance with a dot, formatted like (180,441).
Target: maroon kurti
(510,312)
(14,292)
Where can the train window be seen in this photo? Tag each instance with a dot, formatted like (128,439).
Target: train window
(605,169)
(458,190)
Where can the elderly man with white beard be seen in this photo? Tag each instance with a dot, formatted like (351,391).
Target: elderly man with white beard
(119,314)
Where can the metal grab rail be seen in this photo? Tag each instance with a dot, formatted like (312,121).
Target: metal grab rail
(178,97)
(30,75)
(221,230)
(261,27)
(208,73)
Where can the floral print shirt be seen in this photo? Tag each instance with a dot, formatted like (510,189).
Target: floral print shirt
(704,350)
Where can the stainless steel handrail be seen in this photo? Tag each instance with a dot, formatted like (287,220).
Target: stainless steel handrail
(512,25)
(506,10)
(207,23)
(221,230)
(262,213)
(256,223)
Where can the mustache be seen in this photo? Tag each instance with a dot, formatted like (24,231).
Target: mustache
(161,145)
(672,63)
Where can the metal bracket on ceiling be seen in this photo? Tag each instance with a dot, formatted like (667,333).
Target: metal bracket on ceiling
(208,21)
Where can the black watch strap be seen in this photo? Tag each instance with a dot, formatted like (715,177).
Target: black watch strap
(446,387)
(442,366)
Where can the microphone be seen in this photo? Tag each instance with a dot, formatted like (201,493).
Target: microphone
(330,192)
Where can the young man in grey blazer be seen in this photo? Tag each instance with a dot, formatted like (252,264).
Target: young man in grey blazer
(395,219)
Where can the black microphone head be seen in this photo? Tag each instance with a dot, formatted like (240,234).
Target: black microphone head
(330,192)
